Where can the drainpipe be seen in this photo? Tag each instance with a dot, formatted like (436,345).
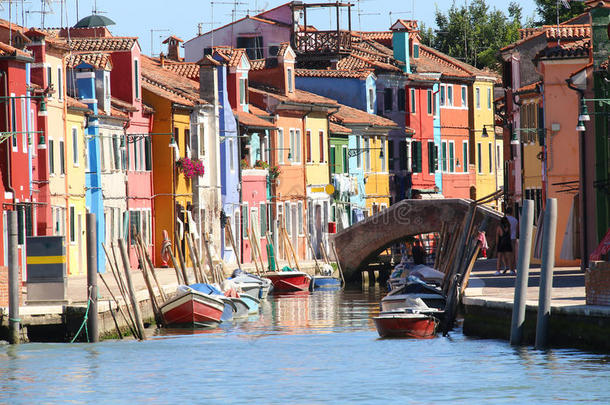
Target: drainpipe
(584,248)
(9,182)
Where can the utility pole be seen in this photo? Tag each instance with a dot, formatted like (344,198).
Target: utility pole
(13,277)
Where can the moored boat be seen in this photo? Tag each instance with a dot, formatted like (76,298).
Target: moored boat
(253,285)
(398,298)
(193,308)
(325,283)
(252,303)
(406,324)
(288,281)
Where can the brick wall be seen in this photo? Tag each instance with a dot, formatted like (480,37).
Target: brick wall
(597,284)
(4,287)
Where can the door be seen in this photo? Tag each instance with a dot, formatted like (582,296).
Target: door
(80,243)
(294,223)
(318,229)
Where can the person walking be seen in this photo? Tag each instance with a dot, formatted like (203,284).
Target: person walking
(514,231)
(504,247)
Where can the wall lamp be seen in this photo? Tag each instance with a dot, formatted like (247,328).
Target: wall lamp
(357,151)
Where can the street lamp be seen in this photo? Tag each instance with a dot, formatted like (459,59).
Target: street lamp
(584,112)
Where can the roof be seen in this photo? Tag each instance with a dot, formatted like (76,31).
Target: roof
(299,96)
(342,74)
(252,121)
(421,78)
(186,69)
(122,105)
(552,32)
(231,56)
(74,103)
(433,61)
(98,60)
(258,111)
(172,37)
(248,17)
(168,84)
(352,116)
(530,88)
(107,44)
(7,50)
(577,49)
(337,129)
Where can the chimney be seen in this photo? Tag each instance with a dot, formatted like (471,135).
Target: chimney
(173,48)
(162,59)
(208,79)
(401,31)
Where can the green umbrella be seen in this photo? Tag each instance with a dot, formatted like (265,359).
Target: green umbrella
(94,20)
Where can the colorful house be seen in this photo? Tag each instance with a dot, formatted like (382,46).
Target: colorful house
(18,132)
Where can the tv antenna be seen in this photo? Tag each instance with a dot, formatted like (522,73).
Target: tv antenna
(152,31)
(391,13)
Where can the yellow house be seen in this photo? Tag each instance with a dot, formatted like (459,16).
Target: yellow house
(485,150)
(173,102)
(316,149)
(76,165)
(376,174)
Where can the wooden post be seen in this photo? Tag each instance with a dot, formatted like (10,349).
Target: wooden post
(178,243)
(208,254)
(132,294)
(313,252)
(523,268)
(338,264)
(198,276)
(253,252)
(92,291)
(230,230)
(259,253)
(122,290)
(294,256)
(129,325)
(149,287)
(275,252)
(148,260)
(13,277)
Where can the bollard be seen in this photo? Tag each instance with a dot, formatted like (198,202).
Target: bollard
(523,268)
(92,292)
(546,272)
(13,277)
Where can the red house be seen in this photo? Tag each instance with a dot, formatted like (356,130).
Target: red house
(15,146)
(420,112)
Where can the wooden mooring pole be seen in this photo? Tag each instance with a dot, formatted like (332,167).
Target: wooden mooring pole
(132,293)
(523,269)
(92,293)
(13,278)
(546,272)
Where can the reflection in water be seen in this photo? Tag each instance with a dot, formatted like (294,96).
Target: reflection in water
(323,346)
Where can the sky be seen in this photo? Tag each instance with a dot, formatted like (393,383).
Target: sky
(181,17)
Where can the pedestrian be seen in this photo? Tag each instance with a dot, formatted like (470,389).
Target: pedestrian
(514,231)
(418,252)
(504,247)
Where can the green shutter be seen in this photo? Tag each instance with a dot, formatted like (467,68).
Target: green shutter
(148,152)
(431,158)
(263,219)
(451,158)
(465,151)
(20,225)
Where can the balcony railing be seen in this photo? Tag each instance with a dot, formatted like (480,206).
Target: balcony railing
(323,42)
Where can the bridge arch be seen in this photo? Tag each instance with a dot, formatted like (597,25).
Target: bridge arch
(359,244)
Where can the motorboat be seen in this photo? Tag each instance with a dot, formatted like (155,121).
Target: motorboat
(289,280)
(398,298)
(251,284)
(415,320)
(193,308)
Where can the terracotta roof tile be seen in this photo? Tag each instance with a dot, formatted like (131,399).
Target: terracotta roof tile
(251,120)
(7,50)
(231,56)
(579,31)
(172,37)
(343,74)
(338,129)
(98,60)
(187,69)
(74,103)
(258,111)
(299,96)
(258,64)
(123,105)
(577,49)
(107,44)
(529,88)
(169,84)
(349,115)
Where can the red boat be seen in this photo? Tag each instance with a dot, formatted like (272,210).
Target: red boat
(193,308)
(401,324)
(287,281)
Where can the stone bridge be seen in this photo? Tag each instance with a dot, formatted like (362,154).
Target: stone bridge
(363,242)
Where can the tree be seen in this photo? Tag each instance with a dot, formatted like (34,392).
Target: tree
(547,11)
(475,33)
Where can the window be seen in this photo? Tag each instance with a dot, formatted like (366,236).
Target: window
(465,154)
(292,149)
(244,218)
(253,46)
(242,91)
(491,165)
(402,150)
(288,218)
(14,121)
(60,87)
(464,99)
(72,226)
(297,137)
(451,156)
(383,156)
(187,143)
(147,154)
(489,99)
(49,76)
(308,144)
(413,108)
(401,99)
(430,102)
(124,161)
(498,158)
(62,158)
(442,96)
(450,95)
(263,220)
(333,160)
(290,81)
(321,136)
(136,77)
(300,218)
(477,97)
(416,51)
(280,146)
(358,155)
(134,225)
(444,155)
(231,146)
(416,161)
(435,104)
(367,155)
(201,139)
(479,158)
(388,99)
(371,99)
(51,157)
(431,157)
(75,147)
(24,127)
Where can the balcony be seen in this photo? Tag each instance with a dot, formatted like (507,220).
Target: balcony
(323,42)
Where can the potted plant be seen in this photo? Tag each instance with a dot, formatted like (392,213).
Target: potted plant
(261,164)
(274,172)
(190,167)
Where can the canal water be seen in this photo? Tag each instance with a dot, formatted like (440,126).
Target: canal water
(302,349)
